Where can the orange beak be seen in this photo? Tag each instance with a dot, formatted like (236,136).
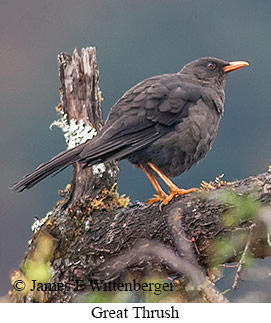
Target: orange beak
(234,66)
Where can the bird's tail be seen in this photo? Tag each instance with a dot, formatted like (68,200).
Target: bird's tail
(90,153)
(57,163)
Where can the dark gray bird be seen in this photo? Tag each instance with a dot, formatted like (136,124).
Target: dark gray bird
(164,124)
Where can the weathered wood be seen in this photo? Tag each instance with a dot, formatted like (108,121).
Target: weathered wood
(81,118)
(105,242)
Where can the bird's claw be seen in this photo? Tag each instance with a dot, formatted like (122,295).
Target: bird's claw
(165,199)
(179,192)
(157,198)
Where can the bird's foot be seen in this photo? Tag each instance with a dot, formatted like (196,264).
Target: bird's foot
(165,199)
(157,198)
(179,192)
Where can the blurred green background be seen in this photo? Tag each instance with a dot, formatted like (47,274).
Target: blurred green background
(134,40)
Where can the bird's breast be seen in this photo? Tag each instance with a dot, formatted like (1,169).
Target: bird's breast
(191,139)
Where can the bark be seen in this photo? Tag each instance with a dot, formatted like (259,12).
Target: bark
(96,234)
(81,118)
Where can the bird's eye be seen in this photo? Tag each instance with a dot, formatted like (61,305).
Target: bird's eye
(211,66)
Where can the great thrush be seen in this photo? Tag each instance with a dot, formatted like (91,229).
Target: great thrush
(164,124)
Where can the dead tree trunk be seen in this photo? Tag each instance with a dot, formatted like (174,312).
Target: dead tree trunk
(95,235)
(81,119)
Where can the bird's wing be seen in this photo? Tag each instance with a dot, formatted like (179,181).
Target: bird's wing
(142,115)
(157,99)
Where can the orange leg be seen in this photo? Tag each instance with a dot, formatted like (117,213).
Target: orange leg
(175,190)
(161,194)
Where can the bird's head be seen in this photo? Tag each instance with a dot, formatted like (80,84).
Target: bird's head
(210,70)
